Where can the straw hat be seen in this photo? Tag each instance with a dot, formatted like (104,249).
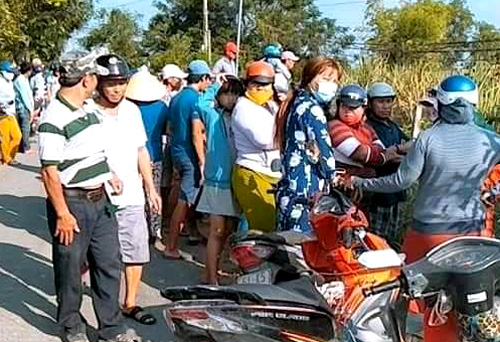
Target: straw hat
(145,87)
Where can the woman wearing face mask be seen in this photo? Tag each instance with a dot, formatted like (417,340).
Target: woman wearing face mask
(302,134)
(357,147)
(257,159)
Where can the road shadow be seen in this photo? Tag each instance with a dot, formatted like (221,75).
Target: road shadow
(26,212)
(26,281)
(25,167)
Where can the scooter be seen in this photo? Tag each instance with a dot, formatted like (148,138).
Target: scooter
(343,257)
(292,311)
(462,274)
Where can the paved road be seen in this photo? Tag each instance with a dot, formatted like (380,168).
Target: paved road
(27,299)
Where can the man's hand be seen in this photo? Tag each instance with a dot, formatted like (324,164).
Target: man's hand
(488,199)
(154,201)
(65,229)
(221,78)
(116,185)
(391,155)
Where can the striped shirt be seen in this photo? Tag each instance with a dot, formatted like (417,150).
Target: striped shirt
(346,140)
(72,138)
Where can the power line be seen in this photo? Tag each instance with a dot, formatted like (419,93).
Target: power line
(343,4)
(130,3)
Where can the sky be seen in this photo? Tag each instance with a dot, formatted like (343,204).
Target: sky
(346,12)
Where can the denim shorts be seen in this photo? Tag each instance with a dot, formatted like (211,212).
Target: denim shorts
(189,172)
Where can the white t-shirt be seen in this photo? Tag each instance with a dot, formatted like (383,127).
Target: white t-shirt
(7,97)
(125,134)
(253,130)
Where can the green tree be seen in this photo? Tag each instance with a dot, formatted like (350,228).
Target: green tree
(120,32)
(296,24)
(39,27)
(487,42)
(421,29)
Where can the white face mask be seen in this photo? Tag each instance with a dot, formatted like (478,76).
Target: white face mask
(327,91)
(8,75)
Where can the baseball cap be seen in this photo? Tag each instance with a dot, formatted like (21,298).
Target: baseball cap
(172,70)
(199,67)
(76,64)
(231,47)
(7,66)
(289,55)
(429,101)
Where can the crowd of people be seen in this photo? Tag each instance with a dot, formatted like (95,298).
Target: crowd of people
(131,158)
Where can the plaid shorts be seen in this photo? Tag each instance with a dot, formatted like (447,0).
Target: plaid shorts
(386,222)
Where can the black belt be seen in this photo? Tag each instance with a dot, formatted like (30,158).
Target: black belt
(93,195)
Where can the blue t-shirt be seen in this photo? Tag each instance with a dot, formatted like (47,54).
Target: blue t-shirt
(181,111)
(155,117)
(220,154)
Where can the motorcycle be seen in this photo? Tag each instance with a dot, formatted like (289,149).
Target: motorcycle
(278,278)
(289,312)
(343,257)
(462,274)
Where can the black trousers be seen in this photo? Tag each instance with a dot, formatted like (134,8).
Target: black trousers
(23,118)
(98,243)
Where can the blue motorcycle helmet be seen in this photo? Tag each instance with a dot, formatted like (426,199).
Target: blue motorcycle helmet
(272,51)
(455,87)
(352,95)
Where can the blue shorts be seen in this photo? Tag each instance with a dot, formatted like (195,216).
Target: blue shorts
(189,173)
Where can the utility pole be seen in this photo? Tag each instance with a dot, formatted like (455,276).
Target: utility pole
(206,38)
(240,23)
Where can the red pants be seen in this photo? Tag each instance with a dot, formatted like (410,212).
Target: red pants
(416,245)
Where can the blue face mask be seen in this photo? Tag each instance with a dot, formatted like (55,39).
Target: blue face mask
(326,92)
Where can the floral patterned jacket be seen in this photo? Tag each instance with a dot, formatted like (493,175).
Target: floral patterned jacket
(307,162)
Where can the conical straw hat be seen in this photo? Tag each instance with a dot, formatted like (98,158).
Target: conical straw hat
(145,87)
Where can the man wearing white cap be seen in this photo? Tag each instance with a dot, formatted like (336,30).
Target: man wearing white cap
(283,77)
(172,77)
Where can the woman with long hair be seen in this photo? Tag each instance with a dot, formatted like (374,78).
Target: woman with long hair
(306,148)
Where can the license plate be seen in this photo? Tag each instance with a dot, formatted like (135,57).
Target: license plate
(260,277)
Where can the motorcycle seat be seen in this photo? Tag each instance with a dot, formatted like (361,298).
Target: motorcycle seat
(300,291)
(269,238)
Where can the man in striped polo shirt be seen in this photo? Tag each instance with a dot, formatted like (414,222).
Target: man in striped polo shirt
(74,171)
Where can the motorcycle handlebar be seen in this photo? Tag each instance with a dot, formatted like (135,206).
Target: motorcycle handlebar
(384,287)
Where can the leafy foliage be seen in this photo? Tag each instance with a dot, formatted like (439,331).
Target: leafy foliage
(120,32)
(296,24)
(39,27)
(419,29)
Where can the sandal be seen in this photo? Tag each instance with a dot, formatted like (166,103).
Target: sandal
(138,314)
(172,255)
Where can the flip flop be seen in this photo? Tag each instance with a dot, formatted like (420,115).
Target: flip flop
(139,315)
(171,256)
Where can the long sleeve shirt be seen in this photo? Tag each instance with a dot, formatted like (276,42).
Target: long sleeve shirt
(24,95)
(253,129)
(450,161)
